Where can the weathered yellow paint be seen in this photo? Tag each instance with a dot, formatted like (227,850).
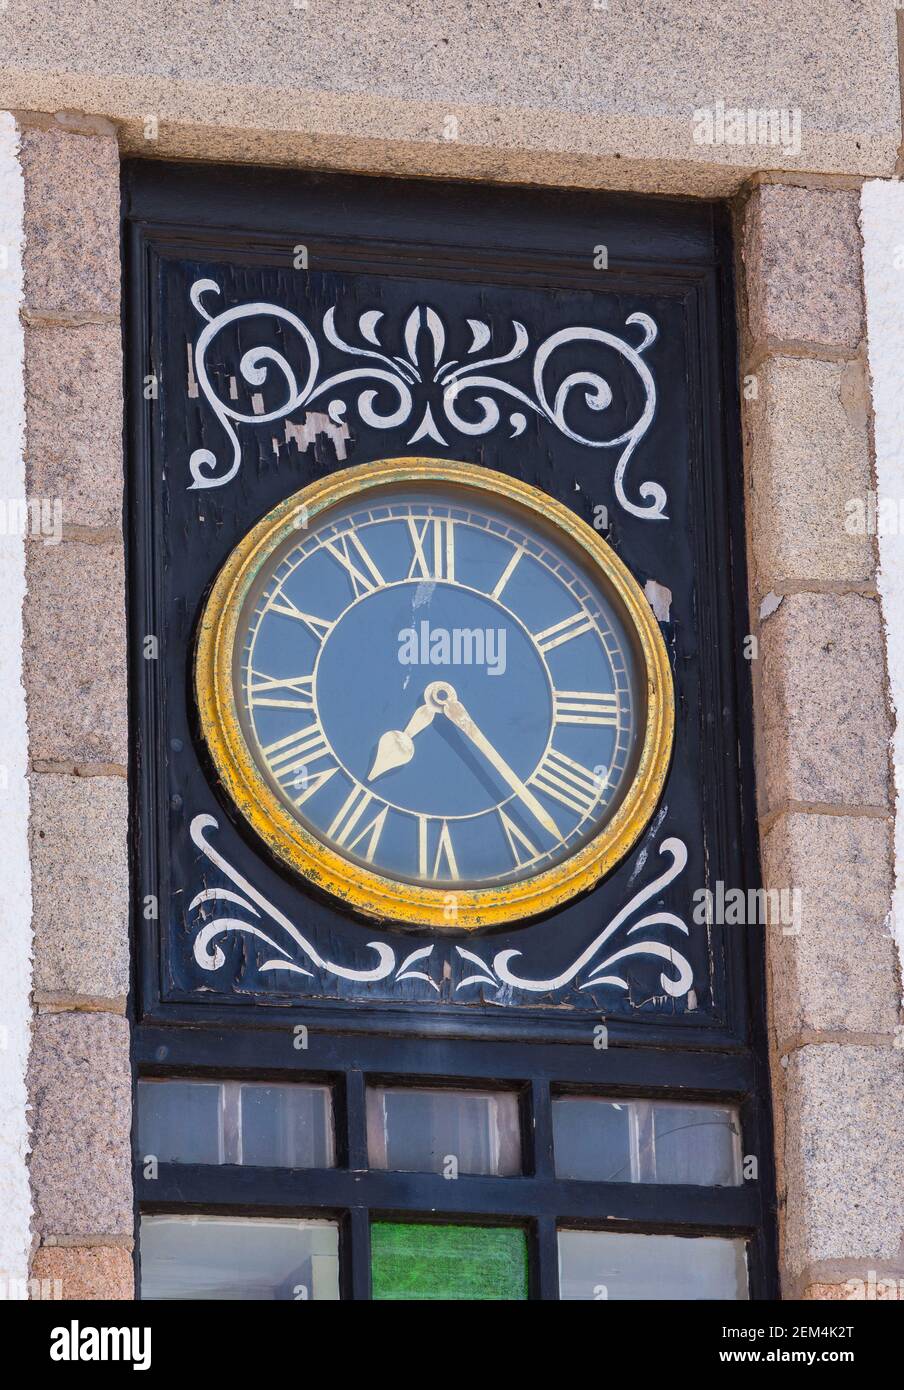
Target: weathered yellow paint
(364,890)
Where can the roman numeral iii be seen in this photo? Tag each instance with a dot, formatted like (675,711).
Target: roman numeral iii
(584,707)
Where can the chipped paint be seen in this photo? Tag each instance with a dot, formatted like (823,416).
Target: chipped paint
(660,600)
(315,423)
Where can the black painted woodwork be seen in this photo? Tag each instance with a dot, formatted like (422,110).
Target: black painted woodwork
(501,254)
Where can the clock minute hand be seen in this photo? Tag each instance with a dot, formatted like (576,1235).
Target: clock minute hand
(396,746)
(459,716)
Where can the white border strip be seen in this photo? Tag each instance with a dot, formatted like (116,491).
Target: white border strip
(882,223)
(15,868)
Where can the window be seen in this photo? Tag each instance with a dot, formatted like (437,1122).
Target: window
(441,729)
(253,1122)
(646,1141)
(548,1164)
(235,1257)
(600,1265)
(429,1131)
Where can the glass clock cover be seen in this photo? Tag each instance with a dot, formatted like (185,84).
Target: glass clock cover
(434,682)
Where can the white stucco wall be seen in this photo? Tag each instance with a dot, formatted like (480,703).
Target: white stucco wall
(15,872)
(882,222)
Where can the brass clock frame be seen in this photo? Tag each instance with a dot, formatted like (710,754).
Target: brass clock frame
(362,889)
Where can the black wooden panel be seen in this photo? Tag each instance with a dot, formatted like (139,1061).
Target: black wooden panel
(497,255)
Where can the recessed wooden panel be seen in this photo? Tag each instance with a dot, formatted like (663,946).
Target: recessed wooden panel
(284,328)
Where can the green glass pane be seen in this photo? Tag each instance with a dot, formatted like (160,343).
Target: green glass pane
(418,1262)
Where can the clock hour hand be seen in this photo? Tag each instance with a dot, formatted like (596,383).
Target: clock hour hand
(396,746)
(456,712)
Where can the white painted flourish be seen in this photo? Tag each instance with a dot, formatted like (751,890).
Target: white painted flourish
(423,372)
(210,957)
(497,972)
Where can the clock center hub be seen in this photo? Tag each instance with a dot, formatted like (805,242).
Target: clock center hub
(380,664)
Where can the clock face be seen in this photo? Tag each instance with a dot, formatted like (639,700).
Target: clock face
(433,688)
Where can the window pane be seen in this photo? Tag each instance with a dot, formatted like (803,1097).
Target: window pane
(237,1257)
(273,1126)
(180,1121)
(436,1131)
(592,1139)
(646,1141)
(420,1262)
(287,1126)
(600,1265)
(697,1144)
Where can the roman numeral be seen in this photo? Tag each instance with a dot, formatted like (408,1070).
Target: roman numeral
(305,746)
(283,604)
(361,583)
(564,631)
(441,565)
(574,785)
(312,783)
(507,573)
(517,841)
(584,707)
(273,691)
(346,822)
(445,855)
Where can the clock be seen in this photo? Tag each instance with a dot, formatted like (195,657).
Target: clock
(435,693)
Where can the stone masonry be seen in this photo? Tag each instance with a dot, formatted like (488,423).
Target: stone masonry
(75,673)
(823,730)
(611,97)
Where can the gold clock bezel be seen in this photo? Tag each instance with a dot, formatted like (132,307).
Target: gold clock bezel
(366,891)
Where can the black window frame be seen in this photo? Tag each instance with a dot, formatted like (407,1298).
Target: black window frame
(539,1201)
(356,1046)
